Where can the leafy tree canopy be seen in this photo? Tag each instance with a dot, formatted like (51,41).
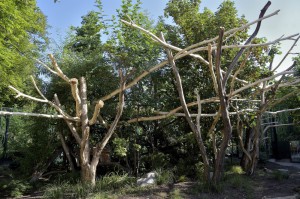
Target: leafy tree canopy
(22,37)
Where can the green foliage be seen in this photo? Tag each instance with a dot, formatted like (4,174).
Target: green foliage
(280,175)
(15,188)
(120,146)
(200,171)
(55,191)
(159,160)
(182,178)
(147,145)
(114,181)
(204,187)
(164,176)
(237,181)
(37,144)
(104,186)
(235,177)
(175,194)
(20,42)
(62,190)
(235,170)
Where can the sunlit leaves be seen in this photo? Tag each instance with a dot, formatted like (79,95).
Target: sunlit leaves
(22,35)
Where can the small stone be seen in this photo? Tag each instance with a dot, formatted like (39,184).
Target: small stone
(149,179)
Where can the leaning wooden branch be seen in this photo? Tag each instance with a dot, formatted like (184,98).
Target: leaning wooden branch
(69,123)
(227,129)
(241,51)
(260,81)
(44,100)
(111,130)
(198,123)
(163,63)
(37,89)
(229,32)
(169,46)
(135,81)
(57,69)
(290,37)
(20,94)
(163,115)
(47,67)
(287,53)
(211,69)
(240,136)
(50,102)
(201,43)
(238,71)
(187,113)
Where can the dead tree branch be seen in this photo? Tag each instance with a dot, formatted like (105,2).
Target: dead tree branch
(288,52)
(58,70)
(111,130)
(242,49)
(32,114)
(69,123)
(187,113)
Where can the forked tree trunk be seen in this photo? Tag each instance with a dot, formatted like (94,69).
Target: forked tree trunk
(227,128)
(252,146)
(255,150)
(88,164)
(245,161)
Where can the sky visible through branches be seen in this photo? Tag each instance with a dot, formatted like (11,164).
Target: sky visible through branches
(68,13)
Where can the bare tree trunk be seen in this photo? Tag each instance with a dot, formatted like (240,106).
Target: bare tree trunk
(227,128)
(255,150)
(245,161)
(88,173)
(187,114)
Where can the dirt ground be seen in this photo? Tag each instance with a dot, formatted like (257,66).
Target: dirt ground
(265,184)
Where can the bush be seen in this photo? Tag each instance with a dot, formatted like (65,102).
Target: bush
(107,183)
(159,160)
(175,194)
(164,177)
(114,181)
(200,171)
(236,170)
(204,187)
(67,190)
(182,178)
(280,175)
(15,188)
(56,191)
(237,181)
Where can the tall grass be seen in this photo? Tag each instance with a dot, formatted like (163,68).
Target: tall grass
(114,181)
(103,187)
(164,176)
